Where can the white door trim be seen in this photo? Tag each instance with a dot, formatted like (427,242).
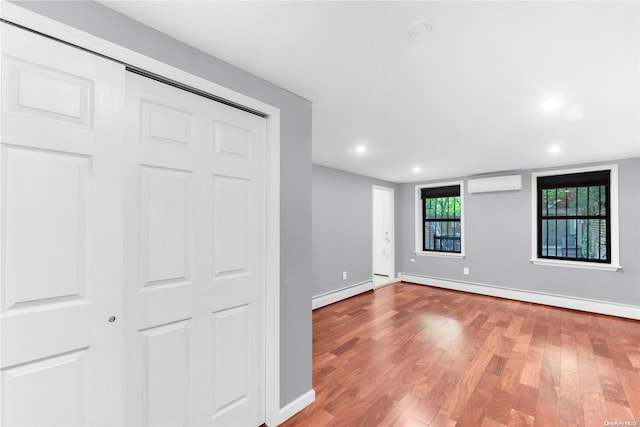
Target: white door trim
(392,244)
(50,27)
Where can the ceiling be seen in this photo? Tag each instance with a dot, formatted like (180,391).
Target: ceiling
(494,86)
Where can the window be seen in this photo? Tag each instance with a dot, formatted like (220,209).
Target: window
(574,217)
(440,210)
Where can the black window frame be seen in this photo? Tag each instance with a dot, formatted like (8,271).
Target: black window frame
(453,190)
(595,178)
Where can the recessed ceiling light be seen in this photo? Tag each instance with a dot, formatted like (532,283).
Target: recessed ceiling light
(360,149)
(417,169)
(551,104)
(419,30)
(555,149)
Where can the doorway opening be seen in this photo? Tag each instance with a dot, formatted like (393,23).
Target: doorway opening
(383,236)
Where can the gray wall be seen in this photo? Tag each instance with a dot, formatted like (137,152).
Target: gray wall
(295,205)
(342,228)
(498,244)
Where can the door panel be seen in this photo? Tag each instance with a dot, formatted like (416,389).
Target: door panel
(232,141)
(231,226)
(164,124)
(37,90)
(40,383)
(166,367)
(231,361)
(61,193)
(56,183)
(194,245)
(165,227)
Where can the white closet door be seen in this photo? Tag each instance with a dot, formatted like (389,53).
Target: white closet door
(194,260)
(61,235)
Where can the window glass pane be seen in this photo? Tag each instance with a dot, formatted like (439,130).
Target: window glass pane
(582,238)
(429,233)
(568,239)
(551,207)
(594,200)
(442,227)
(543,244)
(443,208)
(448,206)
(583,202)
(561,236)
(456,207)
(443,236)
(560,203)
(563,233)
(597,239)
(551,238)
(571,199)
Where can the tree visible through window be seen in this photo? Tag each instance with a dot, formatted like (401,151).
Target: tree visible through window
(573,216)
(442,212)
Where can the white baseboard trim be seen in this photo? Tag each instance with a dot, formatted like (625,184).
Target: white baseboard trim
(593,306)
(340,294)
(393,280)
(296,406)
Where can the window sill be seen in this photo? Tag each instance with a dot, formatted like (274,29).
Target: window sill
(576,264)
(440,254)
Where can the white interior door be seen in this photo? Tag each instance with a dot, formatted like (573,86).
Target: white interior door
(61,238)
(383,232)
(194,259)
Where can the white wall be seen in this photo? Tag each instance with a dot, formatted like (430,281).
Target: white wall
(342,228)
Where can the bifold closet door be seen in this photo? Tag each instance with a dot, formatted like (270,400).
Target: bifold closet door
(61,234)
(194,259)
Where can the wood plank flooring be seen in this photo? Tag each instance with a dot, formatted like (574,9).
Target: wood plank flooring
(414,356)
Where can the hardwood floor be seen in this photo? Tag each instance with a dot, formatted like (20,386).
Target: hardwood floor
(411,355)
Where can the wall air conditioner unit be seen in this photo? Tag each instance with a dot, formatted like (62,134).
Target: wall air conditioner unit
(496,183)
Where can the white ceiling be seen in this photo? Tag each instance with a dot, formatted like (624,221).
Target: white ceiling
(491,88)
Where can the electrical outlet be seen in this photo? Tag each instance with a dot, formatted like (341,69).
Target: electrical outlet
(465,271)
(413,260)
(344,275)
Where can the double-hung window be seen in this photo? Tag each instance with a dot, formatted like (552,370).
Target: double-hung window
(440,208)
(575,217)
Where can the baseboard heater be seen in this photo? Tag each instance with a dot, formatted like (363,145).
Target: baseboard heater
(340,294)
